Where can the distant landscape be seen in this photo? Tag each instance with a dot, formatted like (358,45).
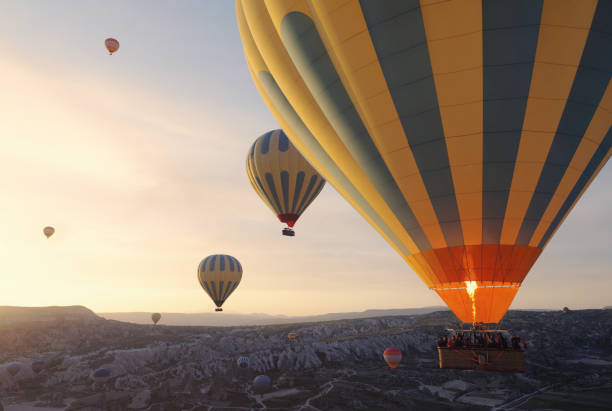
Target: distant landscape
(11,315)
(231,319)
(331,365)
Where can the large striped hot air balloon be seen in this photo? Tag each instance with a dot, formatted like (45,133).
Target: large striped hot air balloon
(282,177)
(219,275)
(463,131)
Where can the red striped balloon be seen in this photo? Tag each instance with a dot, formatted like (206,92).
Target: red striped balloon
(111,44)
(392,356)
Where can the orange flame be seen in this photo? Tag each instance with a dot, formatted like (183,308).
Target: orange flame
(470,287)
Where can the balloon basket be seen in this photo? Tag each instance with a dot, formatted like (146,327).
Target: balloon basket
(481,349)
(482,359)
(218,309)
(288,232)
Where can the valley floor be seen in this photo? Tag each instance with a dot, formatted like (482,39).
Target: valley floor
(331,366)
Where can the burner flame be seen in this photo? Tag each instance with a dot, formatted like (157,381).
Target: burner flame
(470,287)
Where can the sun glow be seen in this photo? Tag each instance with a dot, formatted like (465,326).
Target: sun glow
(470,287)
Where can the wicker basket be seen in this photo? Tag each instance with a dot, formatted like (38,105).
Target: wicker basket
(484,359)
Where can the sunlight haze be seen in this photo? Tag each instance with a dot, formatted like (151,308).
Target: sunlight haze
(138,161)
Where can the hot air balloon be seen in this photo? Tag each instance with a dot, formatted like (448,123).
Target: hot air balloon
(262,384)
(464,132)
(38,366)
(291,336)
(101,376)
(392,356)
(219,275)
(13,368)
(243,362)
(112,45)
(48,231)
(282,177)
(155,317)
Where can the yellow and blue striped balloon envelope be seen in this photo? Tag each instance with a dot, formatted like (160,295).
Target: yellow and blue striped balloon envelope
(219,275)
(282,177)
(463,131)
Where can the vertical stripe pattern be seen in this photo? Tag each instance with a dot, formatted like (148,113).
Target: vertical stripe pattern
(464,131)
(281,176)
(219,275)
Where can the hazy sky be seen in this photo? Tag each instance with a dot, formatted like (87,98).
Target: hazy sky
(137,159)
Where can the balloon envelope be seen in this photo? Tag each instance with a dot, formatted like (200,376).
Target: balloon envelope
(261,384)
(155,317)
(282,177)
(48,231)
(464,132)
(112,45)
(219,275)
(14,368)
(243,362)
(37,366)
(392,356)
(101,375)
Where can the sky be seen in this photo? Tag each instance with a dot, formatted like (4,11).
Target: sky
(138,160)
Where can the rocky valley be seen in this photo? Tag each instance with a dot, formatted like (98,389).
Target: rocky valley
(331,365)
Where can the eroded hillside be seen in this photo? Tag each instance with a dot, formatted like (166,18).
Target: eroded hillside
(330,365)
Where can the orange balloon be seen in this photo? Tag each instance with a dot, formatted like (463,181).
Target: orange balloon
(112,45)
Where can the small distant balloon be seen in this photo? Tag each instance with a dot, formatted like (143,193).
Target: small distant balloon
(112,45)
(261,384)
(101,375)
(156,317)
(48,231)
(392,356)
(291,336)
(14,368)
(243,362)
(37,366)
